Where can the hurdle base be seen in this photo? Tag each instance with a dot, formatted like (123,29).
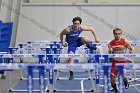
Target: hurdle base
(73,70)
(53,91)
(22,90)
(92,90)
(21,78)
(133,80)
(73,90)
(74,78)
(89,78)
(10,90)
(47,91)
(33,79)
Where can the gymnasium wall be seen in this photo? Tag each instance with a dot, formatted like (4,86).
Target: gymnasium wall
(46,21)
(84,1)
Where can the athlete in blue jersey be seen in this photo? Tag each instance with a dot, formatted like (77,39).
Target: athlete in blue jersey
(73,40)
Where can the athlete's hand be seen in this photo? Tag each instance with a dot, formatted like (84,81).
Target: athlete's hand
(65,44)
(130,60)
(97,40)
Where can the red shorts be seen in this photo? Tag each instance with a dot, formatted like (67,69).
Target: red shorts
(114,70)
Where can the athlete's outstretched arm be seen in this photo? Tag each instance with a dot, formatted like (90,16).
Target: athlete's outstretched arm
(131,50)
(110,50)
(130,47)
(85,28)
(64,32)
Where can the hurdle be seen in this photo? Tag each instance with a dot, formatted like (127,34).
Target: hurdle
(133,77)
(54,48)
(54,58)
(126,55)
(62,66)
(41,68)
(47,51)
(1,53)
(21,56)
(21,51)
(29,49)
(100,44)
(40,57)
(104,55)
(30,68)
(68,65)
(1,61)
(88,51)
(67,56)
(106,81)
(49,45)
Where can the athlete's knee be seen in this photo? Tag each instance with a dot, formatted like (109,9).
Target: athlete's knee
(112,80)
(71,60)
(84,40)
(124,71)
(70,52)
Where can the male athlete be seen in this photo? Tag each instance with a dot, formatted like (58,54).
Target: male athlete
(119,46)
(73,40)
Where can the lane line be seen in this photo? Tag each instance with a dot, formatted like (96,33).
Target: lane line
(82,85)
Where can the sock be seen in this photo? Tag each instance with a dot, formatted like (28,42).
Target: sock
(114,87)
(126,84)
(71,73)
(2,72)
(93,47)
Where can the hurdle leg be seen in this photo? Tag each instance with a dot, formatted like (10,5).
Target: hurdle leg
(133,73)
(30,77)
(3,72)
(48,83)
(57,51)
(51,87)
(41,78)
(93,74)
(55,79)
(106,88)
(121,88)
(92,82)
(10,84)
(97,80)
(21,60)
(97,72)
(10,81)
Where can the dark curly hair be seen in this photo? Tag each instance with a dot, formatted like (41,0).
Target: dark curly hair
(116,30)
(77,19)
